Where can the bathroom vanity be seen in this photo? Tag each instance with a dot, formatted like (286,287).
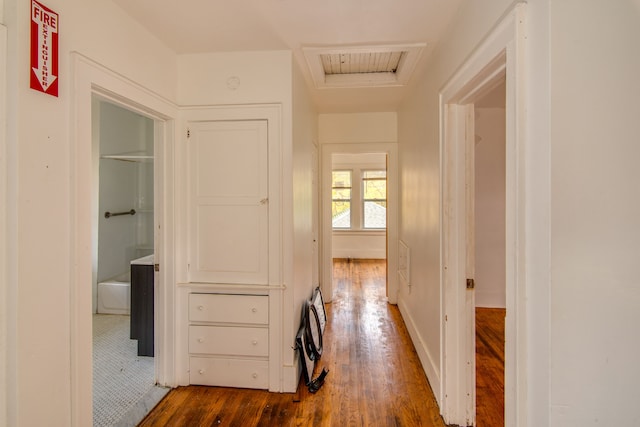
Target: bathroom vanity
(142,275)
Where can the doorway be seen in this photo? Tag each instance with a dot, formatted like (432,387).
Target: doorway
(499,58)
(359,162)
(123,362)
(91,80)
(490,268)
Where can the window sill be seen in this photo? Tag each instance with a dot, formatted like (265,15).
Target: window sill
(352,232)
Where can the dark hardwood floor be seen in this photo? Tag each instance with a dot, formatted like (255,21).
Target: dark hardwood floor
(375,377)
(490,367)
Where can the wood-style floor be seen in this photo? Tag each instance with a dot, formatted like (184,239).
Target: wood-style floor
(375,377)
(490,367)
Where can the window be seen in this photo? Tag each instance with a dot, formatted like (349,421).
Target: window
(341,199)
(363,207)
(374,198)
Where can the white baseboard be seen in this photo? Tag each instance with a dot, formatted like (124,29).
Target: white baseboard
(359,254)
(291,376)
(431,369)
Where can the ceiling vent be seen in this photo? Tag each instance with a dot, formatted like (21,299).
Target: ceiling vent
(362,66)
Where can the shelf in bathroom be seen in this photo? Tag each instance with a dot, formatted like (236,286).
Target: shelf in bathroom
(136,156)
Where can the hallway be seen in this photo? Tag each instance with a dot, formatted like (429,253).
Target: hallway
(375,377)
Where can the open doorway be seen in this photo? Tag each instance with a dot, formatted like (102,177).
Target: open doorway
(123,249)
(359,221)
(490,267)
(498,59)
(359,212)
(91,80)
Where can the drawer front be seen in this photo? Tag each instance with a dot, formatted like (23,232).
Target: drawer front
(229,372)
(248,309)
(229,340)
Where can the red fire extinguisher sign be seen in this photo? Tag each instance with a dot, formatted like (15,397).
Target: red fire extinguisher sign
(44,49)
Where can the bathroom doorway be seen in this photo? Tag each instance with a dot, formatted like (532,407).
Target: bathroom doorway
(92,80)
(124,188)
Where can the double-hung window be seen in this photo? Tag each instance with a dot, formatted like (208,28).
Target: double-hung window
(374,198)
(341,193)
(362,206)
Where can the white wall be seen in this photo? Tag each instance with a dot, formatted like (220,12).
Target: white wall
(359,245)
(235,78)
(119,242)
(305,134)
(122,186)
(4,237)
(39,190)
(357,128)
(420,222)
(595,211)
(490,207)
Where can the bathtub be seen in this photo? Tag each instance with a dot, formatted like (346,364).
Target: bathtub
(114,295)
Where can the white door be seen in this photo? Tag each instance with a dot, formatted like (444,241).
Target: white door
(315,209)
(459,265)
(228,202)
(470,257)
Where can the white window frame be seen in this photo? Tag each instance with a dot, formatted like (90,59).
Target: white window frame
(351,216)
(363,200)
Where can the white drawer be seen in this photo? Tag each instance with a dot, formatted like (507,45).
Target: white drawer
(248,309)
(229,372)
(229,340)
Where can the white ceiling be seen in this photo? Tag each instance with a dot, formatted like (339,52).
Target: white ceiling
(196,26)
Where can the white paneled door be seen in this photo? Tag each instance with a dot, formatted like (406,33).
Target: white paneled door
(228,202)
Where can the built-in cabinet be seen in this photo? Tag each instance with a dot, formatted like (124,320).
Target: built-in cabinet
(232,289)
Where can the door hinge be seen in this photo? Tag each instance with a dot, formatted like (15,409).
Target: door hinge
(156,267)
(471,284)
(188,133)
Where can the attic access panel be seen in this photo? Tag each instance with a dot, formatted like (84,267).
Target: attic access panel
(362,66)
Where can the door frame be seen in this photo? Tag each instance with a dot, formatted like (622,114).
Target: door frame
(500,55)
(391,150)
(7,242)
(90,78)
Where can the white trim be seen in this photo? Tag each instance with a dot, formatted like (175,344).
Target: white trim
(7,320)
(501,53)
(91,78)
(391,149)
(432,369)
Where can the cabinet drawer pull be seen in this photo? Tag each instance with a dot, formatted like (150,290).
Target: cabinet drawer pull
(201,371)
(201,307)
(254,375)
(254,342)
(254,310)
(200,339)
